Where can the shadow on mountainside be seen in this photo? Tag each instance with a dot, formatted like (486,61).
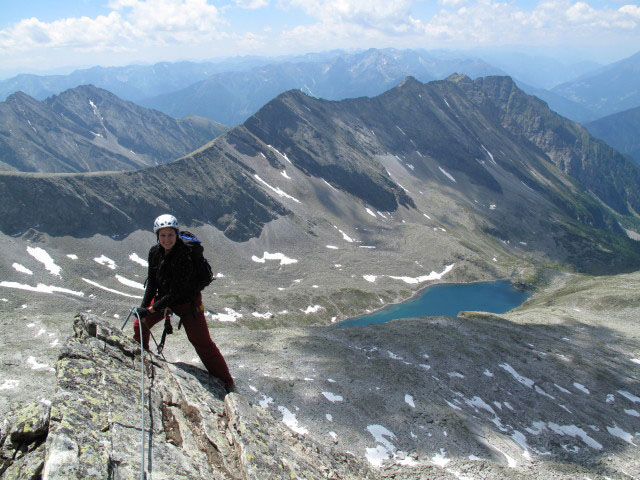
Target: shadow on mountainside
(441,389)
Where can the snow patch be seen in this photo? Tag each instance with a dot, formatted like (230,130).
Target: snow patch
(574,431)
(277,191)
(629,396)
(265,402)
(230,315)
(41,287)
(9,384)
(447,174)
(117,292)
(425,278)
(384,449)
(43,257)
(523,380)
(22,269)
(332,397)
(135,258)
(581,387)
(345,237)
(489,153)
(284,260)
(312,309)
(290,420)
(563,390)
(33,363)
(129,283)
(103,260)
(440,459)
(616,431)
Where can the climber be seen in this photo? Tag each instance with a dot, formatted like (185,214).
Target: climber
(172,286)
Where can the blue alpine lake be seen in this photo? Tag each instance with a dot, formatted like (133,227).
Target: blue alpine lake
(449,300)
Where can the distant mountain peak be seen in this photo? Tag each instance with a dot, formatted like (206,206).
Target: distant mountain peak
(458,78)
(410,80)
(20,97)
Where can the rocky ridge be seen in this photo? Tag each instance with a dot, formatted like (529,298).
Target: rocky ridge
(92,427)
(87,129)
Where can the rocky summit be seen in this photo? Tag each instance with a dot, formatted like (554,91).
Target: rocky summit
(92,429)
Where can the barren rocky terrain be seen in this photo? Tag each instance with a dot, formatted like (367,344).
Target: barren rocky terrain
(549,390)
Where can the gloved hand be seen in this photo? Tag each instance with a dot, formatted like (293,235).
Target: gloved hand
(142,312)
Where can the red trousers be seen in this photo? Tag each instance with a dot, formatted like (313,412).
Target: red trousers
(195,325)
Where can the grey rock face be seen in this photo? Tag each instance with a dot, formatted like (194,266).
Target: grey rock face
(191,430)
(594,164)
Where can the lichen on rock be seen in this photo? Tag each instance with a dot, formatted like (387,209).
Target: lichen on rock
(192,429)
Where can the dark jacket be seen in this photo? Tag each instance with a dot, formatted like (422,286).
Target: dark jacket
(171,279)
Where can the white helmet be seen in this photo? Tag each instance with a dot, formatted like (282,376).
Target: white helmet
(164,221)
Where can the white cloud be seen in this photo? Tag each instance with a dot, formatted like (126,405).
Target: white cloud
(452,3)
(129,24)
(368,12)
(548,23)
(631,11)
(251,4)
(461,23)
(156,30)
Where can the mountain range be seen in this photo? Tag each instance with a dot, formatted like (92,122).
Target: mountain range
(620,130)
(452,150)
(131,82)
(90,129)
(610,89)
(230,91)
(231,97)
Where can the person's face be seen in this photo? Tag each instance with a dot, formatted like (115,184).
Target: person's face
(167,238)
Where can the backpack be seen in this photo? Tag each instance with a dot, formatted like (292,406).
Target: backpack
(203,272)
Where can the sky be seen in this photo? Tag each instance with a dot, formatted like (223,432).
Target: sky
(44,36)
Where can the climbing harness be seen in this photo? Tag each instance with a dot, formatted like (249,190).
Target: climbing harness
(143,472)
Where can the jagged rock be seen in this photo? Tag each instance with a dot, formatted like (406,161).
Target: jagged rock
(291,455)
(22,441)
(192,431)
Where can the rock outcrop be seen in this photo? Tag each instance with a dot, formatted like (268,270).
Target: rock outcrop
(192,430)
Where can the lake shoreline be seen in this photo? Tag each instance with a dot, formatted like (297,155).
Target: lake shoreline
(422,291)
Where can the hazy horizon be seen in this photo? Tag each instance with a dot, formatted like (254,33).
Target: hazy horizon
(44,38)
